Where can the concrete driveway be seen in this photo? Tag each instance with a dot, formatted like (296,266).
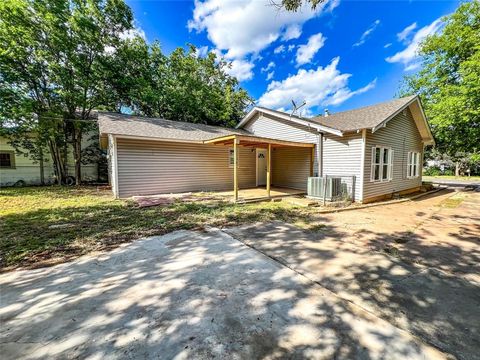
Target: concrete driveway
(414,264)
(188,295)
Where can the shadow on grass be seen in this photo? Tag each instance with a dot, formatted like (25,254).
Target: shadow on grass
(51,235)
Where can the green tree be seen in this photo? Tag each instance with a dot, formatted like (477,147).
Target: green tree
(181,86)
(449,82)
(60,59)
(295,5)
(51,54)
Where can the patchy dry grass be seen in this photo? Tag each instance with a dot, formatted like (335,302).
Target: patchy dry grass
(453,201)
(47,225)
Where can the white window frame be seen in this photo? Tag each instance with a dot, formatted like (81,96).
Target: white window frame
(381,164)
(413,164)
(231,151)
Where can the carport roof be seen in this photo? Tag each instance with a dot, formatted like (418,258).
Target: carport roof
(139,126)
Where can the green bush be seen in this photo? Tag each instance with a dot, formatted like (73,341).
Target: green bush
(436,171)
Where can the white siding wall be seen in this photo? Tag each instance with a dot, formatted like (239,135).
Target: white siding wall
(342,156)
(401,134)
(154,167)
(291,167)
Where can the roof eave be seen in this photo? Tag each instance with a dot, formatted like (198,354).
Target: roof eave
(429,140)
(318,127)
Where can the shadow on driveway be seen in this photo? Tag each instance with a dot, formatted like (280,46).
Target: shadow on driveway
(188,295)
(416,266)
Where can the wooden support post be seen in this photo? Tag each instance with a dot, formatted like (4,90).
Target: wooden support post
(235,170)
(312,158)
(269,167)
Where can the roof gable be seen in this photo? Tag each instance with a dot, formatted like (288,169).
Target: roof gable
(284,116)
(369,117)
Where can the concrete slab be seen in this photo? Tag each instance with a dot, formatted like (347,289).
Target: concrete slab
(187,295)
(416,266)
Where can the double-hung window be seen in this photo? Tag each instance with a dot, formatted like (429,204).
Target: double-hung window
(413,165)
(382,164)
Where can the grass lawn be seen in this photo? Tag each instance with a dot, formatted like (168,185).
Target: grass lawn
(448,177)
(47,225)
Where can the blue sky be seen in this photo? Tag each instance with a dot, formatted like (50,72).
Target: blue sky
(344,55)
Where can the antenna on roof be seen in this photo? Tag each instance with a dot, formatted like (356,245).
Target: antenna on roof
(296,108)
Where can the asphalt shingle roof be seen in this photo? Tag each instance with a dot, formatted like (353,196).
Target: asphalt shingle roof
(362,118)
(119,124)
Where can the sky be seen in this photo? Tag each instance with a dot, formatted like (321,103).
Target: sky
(345,54)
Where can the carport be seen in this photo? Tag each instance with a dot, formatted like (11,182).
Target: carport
(255,142)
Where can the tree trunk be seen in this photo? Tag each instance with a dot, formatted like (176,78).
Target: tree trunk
(42,170)
(58,163)
(457,169)
(77,155)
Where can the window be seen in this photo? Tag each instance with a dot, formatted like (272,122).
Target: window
(382,164)
(413,166)
(231,158)
(7,160)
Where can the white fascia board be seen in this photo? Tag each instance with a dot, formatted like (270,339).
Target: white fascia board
(151,138)
(384,122)
(429,141)
(286,117)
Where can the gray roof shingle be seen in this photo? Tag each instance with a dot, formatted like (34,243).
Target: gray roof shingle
(119,124)
(363,118)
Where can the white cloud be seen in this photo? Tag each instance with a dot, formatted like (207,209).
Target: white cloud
(345,93)
(402,35)
(279,49)
(292,32)
(291,47)
(387,45)
(319,87)
(270,75)
(367,33)
(241,69)
(306,52)
(202,51)
(247,27)
(409,56)
(270,66)
(132,33)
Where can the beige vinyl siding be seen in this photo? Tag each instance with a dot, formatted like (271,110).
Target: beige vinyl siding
(155,167)
(343,156)
(400,134)
(291,167)
(274,128)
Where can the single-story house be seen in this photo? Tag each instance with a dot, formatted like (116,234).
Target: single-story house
(16,168)
(379,146)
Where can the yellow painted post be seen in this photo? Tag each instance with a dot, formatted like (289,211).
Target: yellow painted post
(235,171)
(312,157)
(269,165)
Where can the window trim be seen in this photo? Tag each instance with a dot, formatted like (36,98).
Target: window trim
(381,164)
(230,157)
(12,159)
(415,165)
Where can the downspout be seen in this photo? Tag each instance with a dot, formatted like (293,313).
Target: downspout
(362,164)
(320,154)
